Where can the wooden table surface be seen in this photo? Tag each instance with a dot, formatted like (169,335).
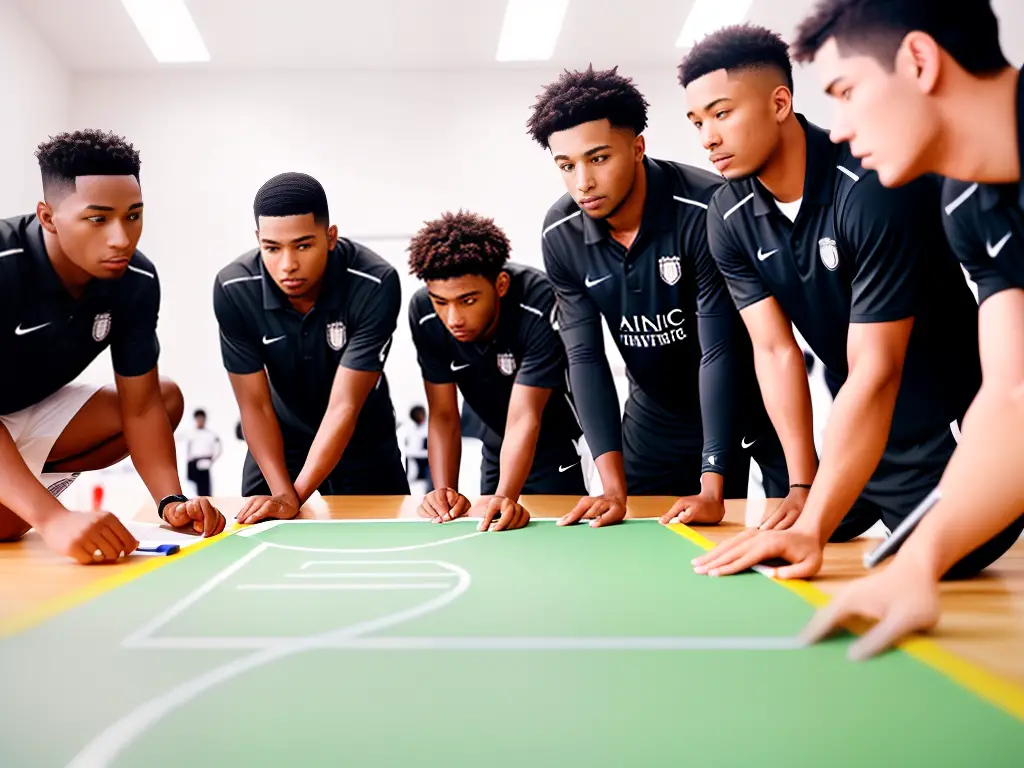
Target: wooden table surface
(982,621)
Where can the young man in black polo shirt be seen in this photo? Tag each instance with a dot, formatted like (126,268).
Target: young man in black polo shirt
(71,285)
(864,273)
(628,242)
(483,326)
(306,322)
(905,75)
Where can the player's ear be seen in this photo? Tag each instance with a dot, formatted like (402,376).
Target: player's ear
(782,103)
(502,284)
(45,215)
(332,237)
(919,57)
(639,147)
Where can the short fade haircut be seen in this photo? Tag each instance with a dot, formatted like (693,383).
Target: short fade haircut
(877,28)
(66,156)
(198,412)
(582,97)
(292,194)
(737,47)
(458,244)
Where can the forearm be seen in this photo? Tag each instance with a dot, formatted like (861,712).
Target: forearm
(782,377)
(20,491)
(593,389)
(517,451)
(716,381)
(613,473)
(328,447)
(444,449)
(855,439)
(263,438)
(151,445)
(982,487)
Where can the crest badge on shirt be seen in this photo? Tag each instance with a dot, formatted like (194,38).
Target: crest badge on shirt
(336,335)
(507,363)
(829,253)
(670,269)
(101,326)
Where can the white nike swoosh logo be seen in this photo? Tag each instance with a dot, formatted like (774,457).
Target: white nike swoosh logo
(763,256)
(19,331)
(993,250)
(271,341)
(460,367)
(566,469)
(591,283)
(745,444)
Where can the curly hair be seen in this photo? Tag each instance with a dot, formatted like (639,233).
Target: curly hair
(580,97)
(458,244)
(877,28)
(66,156)
(740,46)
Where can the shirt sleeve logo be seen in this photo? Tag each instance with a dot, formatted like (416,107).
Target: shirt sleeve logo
(336,335)
(829,253)
(670,269)
(101,326)
(506,363)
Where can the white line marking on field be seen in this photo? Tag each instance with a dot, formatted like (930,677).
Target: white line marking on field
(109,744)
(349,587)
(355,575)
(374,551)
(179,607)
(668,643)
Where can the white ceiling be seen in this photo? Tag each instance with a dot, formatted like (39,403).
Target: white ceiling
(97,35)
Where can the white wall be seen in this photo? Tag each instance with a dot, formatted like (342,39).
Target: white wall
(36,96)
(392,149)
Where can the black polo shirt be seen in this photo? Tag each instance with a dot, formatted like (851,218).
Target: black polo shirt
(666,306)
(525,350)
(48,338)
(985,223)
(350,325)
(857,253)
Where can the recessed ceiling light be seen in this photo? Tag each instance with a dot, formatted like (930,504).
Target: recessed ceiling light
(709,15)
(531,29)
(168,29)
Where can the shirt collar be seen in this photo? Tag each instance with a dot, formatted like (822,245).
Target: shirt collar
(330,292)
(819,174)
(657,215)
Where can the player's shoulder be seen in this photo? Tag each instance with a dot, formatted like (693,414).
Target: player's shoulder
(959,199)
(241,279)
(563,219)
(370,268)
(14,236)
(245,268)
(141,272)
(729,198)
(687,184)
(533,286)
(421,309)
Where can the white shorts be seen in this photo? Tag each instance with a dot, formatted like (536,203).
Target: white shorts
(35,429)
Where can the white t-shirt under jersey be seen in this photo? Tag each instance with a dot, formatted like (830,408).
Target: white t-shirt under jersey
(790,209)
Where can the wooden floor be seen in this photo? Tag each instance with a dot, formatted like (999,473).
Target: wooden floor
(983,618)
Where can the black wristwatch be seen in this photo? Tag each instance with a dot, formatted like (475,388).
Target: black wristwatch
(176,498)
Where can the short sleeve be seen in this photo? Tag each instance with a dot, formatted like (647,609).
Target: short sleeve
(240,350)
(435,368)
(972,250)
(134,347)
(543,362)
(880,231)
(372,325)
(740,275)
